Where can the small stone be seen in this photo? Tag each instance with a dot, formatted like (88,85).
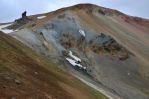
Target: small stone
(13,98)
(36,73)
(128,74)
(17,81)
(4,87)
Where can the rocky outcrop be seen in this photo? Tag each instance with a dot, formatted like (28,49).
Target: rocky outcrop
(105,12)
(101,44)
(101,12)
(69,41)
(61,16)
(24,15)
(20,22)
(107,46)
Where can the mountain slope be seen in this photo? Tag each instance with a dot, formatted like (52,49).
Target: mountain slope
(26,74)
(113,47)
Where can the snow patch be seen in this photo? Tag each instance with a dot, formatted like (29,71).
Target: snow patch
(76,58)
(82,32)
(73,62)
(5,30)
(3,26)
(40,17)
(84,67)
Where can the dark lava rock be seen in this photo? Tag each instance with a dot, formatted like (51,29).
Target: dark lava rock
(107,46)
(101,12)
(20,22)
(24,15)
(102,35)
(61,16)
(4,87)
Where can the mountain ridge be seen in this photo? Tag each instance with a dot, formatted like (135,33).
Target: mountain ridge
(92,7)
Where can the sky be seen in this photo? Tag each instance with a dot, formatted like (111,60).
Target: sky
(12,9)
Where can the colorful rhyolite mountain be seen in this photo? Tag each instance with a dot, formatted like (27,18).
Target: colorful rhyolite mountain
(101,45)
